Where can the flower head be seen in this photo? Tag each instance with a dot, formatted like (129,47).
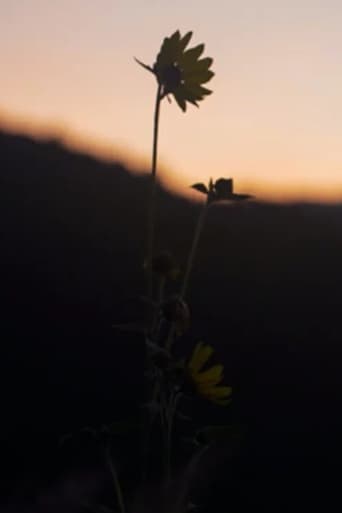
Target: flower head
(207,381)
(180,71)
(221,190)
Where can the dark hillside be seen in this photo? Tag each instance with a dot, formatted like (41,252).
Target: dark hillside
(266,290)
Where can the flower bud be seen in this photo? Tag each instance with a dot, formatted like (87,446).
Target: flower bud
(177,311)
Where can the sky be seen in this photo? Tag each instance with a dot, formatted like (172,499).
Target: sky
(273,122)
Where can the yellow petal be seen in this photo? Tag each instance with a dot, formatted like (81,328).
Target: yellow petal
(221,402)
(220,392)
(199,357)
(212,376)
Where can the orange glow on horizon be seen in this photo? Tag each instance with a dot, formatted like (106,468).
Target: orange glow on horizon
(171,180)
(273,122)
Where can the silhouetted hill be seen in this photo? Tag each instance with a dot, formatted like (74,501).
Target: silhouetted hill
(266,290)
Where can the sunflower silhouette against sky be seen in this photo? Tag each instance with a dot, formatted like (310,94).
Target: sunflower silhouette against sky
(180,72)
(221,190)
(207,381)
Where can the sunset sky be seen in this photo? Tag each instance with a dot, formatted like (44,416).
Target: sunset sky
(274,121)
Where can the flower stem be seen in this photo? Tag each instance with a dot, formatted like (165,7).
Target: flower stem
(170,411)
(152,204)
(116,482)
(193,249)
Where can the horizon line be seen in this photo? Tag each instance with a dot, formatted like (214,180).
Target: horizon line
(139,165)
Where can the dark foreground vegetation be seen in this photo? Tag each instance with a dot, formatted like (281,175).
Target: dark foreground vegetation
(266,291)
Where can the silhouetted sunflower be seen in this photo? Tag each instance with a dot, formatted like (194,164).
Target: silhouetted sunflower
(181,72)
(221,190)
(207,381)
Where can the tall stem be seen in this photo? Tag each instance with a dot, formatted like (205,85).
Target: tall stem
(152,204)
(115,478)
(193,249)
(168,432)
(148,421)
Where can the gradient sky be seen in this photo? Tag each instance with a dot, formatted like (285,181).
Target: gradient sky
(274,121)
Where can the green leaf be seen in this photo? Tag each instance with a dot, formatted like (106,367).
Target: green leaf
(200,187)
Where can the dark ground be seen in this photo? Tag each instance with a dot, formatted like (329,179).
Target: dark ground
(266,291)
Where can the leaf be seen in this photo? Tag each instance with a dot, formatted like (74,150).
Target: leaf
(200,187)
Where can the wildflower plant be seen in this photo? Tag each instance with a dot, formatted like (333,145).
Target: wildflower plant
(180,73)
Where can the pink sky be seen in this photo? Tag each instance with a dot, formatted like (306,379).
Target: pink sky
(274,121)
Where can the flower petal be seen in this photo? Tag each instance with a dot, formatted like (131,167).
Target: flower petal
(211,377)
(166,55)
(198,77)
(198,89)
(222,402)
(199,357)
(220,392)
(191,55)
(200,65)
(184,42)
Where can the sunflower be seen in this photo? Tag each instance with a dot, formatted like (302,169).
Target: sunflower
(181,72)
(221,190)
(207,381)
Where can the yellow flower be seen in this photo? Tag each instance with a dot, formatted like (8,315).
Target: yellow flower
(181,72)
(207,381)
